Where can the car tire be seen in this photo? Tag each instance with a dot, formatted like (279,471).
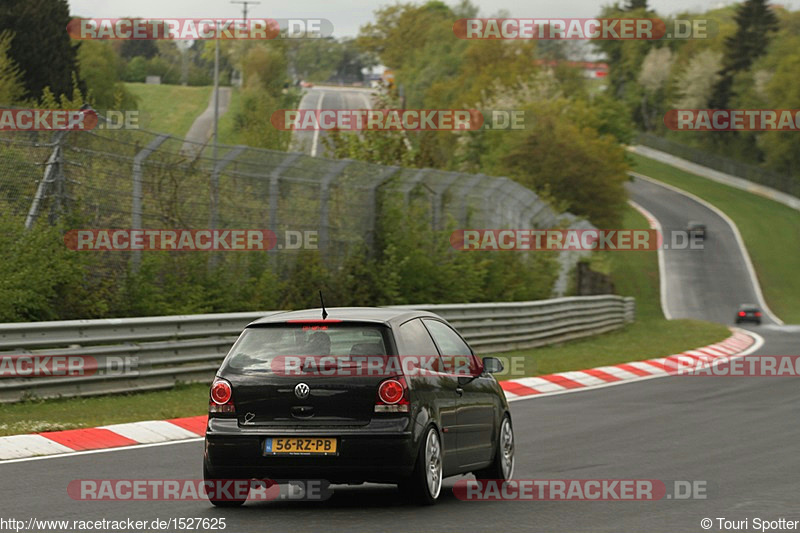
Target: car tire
(220,503)
(502,466)
(425,483)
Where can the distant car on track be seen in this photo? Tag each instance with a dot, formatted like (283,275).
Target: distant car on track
(410,428)
(696,229)
(748,313)
(306,84)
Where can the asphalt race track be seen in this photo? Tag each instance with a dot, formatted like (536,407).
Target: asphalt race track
(708,283)
(739,435)
(310,142)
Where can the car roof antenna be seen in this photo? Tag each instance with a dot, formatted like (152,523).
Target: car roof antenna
(322,302)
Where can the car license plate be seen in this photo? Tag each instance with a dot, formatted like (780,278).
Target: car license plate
(300,446)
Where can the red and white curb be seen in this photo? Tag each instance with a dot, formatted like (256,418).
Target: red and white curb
(603,376)
(179,429)
(101,438)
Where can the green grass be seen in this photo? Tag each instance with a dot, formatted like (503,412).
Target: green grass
(651,335)
(228,132)
(169,108)
(770,230)
(34,416)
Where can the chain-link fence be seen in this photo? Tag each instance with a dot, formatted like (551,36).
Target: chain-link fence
(781,182)
(137,179)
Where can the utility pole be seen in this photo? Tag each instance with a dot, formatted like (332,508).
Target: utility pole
(214,177)
(244,3)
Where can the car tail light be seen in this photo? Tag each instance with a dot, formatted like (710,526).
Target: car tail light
(742,313)
(392,396)
(758,313)
(221,397)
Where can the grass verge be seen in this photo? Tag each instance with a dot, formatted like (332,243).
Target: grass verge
(228,129)
(651,335)
(34,416)
(770,231)
(169,108)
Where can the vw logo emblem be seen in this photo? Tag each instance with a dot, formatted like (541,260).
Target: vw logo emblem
(301,391)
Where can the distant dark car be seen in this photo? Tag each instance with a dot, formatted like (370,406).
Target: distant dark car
(272,417)
(696,229)
(748,313)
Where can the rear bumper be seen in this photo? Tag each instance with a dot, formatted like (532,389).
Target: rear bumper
(376,452)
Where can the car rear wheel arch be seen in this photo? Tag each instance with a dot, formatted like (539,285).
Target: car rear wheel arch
(412,487)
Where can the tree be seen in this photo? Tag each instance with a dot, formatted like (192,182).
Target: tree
(41,47)
(563,158)
(353,61)
(755,21)
(569,151)
(652,78)
(315,59)
(782,149)
(136,70)
(101,70)
(696,82)
(625,58)
(630,5)
(11,89)
(131,48)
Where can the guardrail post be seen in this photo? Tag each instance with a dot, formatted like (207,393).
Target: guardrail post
(439,190)
(492,220)
(630,309)
(53,173)
(470,184)
(274,197)
(324,199)
(410,184)
(213,219)
(136,200)
(374,209)
(213,216)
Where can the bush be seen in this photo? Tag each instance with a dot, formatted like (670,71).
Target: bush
(40,279)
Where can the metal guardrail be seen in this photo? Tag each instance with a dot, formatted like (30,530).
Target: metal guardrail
(188,349)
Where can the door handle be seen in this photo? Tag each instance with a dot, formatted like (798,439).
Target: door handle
(459,391)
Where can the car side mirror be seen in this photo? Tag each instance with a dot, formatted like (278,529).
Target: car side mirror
(492,365)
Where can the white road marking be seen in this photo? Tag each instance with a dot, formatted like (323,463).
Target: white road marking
(315,138)
(662,277)
(15,446)
(150,431)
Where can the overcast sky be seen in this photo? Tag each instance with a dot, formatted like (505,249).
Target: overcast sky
(348,15)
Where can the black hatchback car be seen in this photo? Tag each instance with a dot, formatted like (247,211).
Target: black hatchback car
(696,229)
(384,395)
(748,313)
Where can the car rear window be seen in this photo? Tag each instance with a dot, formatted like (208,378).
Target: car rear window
(257,347)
